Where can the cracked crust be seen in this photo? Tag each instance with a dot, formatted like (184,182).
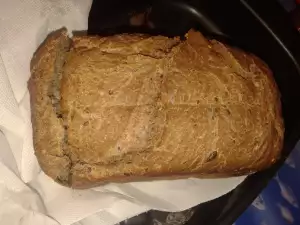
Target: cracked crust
(137,107)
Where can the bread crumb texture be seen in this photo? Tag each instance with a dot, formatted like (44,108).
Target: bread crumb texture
(132,107)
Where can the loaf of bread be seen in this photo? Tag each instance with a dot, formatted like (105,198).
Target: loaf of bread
(135,107)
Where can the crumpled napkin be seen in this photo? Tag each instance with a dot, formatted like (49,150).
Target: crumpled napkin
(27,195)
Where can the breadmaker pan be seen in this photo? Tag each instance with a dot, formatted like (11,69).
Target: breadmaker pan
(260,27)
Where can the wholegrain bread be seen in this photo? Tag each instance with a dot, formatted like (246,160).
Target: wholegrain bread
(131,107)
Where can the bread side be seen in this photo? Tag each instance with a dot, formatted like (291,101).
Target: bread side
(48,130)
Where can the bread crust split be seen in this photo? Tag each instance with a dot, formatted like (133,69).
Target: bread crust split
(135,107)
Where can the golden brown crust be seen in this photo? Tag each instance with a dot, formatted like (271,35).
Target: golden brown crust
(140,107)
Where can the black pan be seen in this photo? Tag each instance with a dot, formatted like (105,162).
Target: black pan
(261,27)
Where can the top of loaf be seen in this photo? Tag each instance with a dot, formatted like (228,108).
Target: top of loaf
(135,105)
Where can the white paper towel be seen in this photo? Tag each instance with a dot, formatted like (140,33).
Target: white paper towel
(27,195)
